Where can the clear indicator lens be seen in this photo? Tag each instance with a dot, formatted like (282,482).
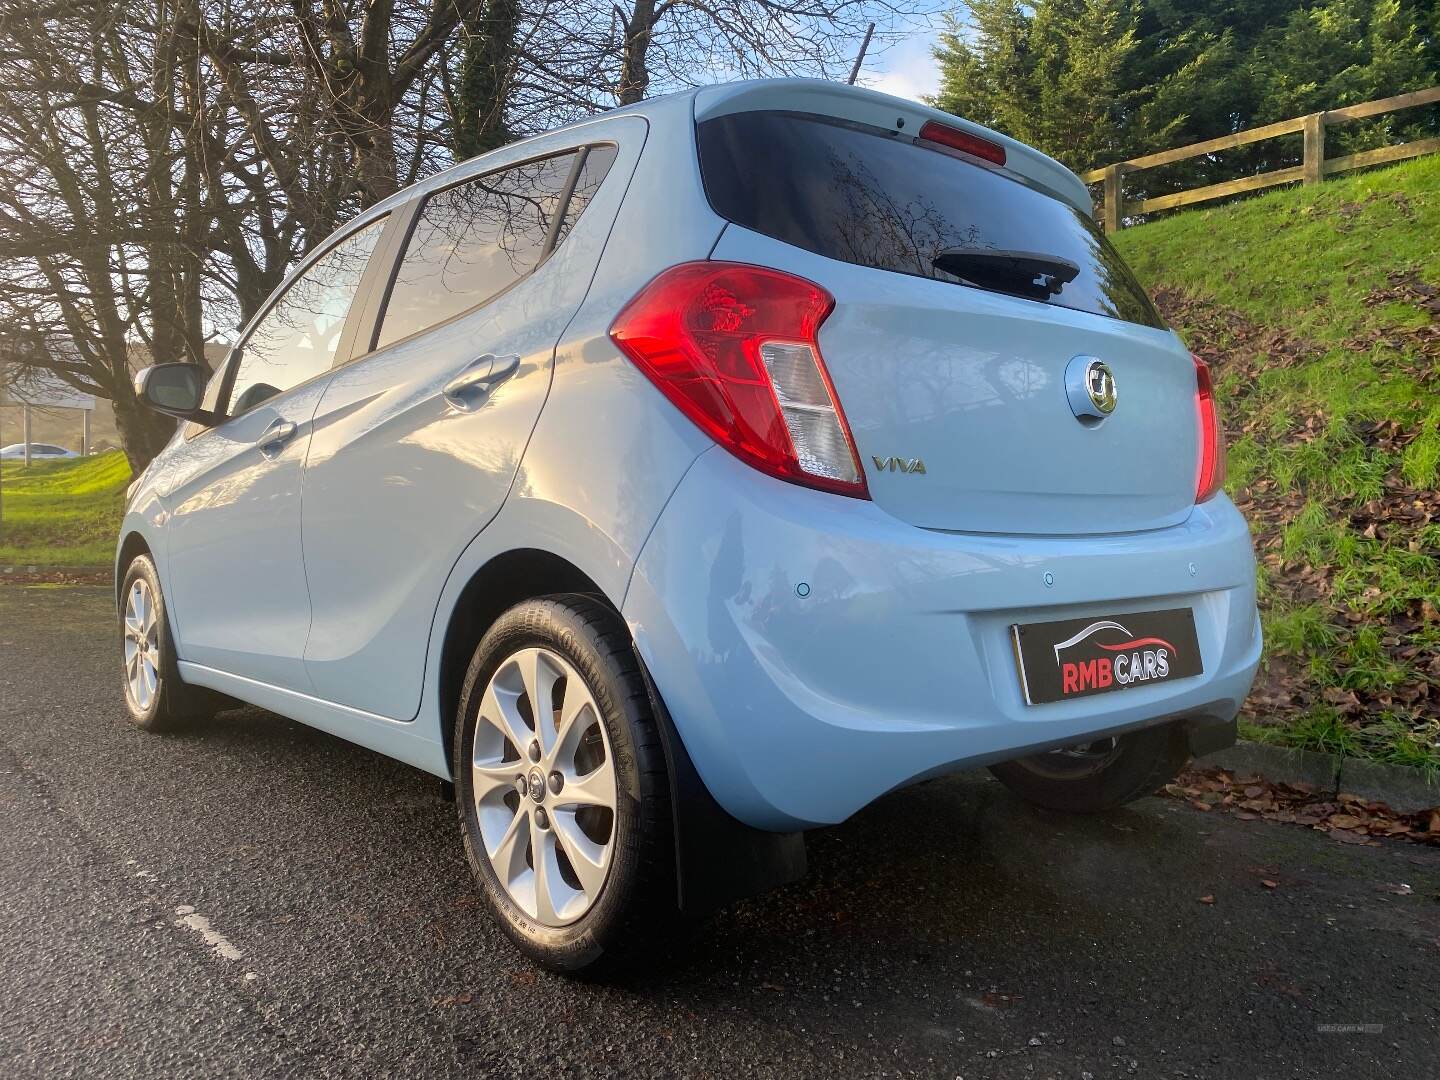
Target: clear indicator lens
(809,413)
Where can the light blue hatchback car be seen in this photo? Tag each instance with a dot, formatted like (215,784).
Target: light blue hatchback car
(692,476)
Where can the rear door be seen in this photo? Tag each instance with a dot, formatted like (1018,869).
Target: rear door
(969,304)
(418,441)
(236,579)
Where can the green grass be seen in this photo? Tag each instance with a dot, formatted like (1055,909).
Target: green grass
(1304,258)
(1332,404)
(62,513)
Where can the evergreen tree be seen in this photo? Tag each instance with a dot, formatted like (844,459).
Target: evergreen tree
(1096,81)
(1055,79)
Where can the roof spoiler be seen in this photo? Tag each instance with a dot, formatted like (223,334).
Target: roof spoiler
(863,106)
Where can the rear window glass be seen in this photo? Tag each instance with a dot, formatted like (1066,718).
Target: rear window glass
(878,198)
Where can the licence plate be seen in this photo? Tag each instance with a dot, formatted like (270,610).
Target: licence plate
(1073,658)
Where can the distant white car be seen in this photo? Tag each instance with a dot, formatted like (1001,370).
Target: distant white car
(38,451)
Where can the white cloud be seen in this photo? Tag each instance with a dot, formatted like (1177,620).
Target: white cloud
(907,69)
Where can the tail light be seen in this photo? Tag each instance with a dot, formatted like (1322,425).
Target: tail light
(734,348)
(1210,475)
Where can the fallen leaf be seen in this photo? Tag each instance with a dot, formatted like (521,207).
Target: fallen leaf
(1207,899)
(1346,837)
(1348,817)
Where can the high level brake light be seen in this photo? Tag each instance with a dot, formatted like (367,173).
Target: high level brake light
(1210,473)
(956,139)
(734,348)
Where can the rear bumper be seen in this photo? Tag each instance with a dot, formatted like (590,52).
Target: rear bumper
(896,663)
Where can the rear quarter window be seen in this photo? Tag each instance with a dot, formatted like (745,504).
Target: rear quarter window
(883,199)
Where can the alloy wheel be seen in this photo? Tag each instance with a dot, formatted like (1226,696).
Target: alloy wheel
(544,786)
(142,645)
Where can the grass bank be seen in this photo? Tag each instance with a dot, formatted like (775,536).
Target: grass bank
(62,513)
(1320,311)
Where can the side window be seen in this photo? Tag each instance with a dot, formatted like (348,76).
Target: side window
(296,339)
(471,241)
(597,163)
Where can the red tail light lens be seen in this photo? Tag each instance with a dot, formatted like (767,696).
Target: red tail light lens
(957,139)
(1210,475)
(734,348)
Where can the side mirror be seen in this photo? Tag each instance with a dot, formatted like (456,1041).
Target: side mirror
(177,390)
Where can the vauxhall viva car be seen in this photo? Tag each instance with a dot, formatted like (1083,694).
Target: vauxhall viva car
(692,476)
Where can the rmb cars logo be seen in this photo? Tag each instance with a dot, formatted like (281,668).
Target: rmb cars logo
(1072,658)
(1121,663)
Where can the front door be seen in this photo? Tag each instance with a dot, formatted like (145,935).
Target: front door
(235,572)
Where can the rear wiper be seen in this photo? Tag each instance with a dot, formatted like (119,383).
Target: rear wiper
(1024,273)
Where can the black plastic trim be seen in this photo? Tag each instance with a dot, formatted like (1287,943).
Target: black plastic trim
(1210,734)
(718,859)
(563,204)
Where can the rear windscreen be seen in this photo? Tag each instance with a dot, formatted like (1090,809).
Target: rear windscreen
(881,198)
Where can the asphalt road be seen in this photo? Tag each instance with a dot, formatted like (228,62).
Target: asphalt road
(256,898)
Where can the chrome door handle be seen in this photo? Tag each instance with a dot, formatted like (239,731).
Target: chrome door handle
(274,437)
(469,389)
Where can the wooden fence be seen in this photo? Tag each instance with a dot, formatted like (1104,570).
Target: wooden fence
(1314,168)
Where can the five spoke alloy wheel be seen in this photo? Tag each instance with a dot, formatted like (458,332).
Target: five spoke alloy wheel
(544,785)
(142,644)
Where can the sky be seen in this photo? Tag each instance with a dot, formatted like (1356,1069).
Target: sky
(907,69)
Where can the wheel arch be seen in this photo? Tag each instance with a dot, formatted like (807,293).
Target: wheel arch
(134,544)
(718,859)
(501,583)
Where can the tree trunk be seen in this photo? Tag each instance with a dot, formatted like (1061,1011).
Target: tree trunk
(143,432)
(634,76)
(375,164)
(484,81)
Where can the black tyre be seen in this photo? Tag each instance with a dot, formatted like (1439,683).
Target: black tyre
(155,696)
(1099,775)
(565,809)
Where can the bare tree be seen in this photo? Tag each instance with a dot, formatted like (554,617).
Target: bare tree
(163,163)
(682,42)
(104,222)
(367,55)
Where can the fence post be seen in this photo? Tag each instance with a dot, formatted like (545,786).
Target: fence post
(1314,148)
(1113,210)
